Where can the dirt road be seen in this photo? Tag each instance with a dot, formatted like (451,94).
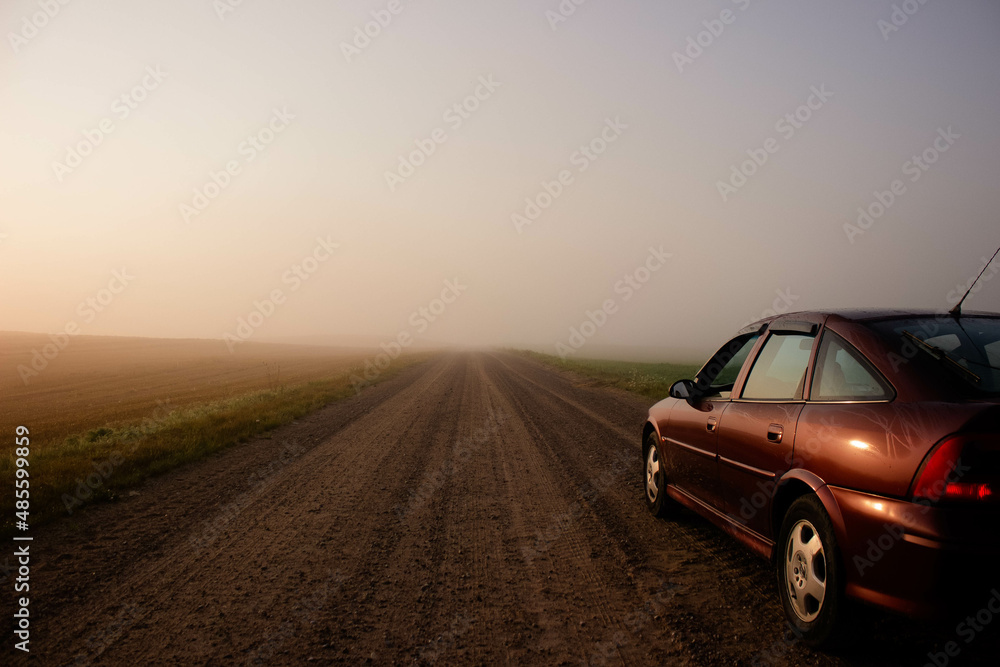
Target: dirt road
(478,508)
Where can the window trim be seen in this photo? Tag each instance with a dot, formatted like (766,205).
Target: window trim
(861,359)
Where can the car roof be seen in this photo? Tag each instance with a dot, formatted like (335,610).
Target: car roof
(868,314)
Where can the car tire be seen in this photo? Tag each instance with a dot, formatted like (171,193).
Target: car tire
(654,478)
(810,575)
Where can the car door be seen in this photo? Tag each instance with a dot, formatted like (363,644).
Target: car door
(757,431)
(691,433)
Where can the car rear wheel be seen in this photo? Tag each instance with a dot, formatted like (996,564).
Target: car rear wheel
(654,478)
(810,580)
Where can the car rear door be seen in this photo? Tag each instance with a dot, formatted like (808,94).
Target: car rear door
(757,431)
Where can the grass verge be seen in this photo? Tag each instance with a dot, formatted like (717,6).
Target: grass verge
(104,461)
(646,379)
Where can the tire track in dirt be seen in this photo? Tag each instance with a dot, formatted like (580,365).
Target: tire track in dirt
(390,589)
(578,531)
(566,590)
(479,508)
(244,561)
(665,550)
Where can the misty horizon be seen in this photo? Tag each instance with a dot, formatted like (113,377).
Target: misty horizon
(666,174)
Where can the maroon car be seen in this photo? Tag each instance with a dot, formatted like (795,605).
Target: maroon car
(860,450)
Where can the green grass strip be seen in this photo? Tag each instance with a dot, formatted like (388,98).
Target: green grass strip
(100,464)
(651,380)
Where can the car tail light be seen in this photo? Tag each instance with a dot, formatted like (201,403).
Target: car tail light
(961,468)
(958,491)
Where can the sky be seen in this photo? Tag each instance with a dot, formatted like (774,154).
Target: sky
(629,175)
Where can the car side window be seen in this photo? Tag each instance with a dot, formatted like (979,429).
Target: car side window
(992,353)
(842,374)
(779,372)
(720,373)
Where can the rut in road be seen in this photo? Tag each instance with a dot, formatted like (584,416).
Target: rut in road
(478,508)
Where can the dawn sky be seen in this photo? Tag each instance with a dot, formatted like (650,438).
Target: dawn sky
(680,167)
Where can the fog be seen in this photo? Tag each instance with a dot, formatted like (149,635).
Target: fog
(492,173)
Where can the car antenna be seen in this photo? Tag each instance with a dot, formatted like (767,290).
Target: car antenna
(956,312)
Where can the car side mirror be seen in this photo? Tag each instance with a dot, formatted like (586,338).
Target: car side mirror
(683,389)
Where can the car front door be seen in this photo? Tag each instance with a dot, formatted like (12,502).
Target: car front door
(757,431)
(691,434)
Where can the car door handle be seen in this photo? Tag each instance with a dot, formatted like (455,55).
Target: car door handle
(712,421)
(774,432)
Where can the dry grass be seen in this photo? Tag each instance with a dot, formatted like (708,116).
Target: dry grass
(117,410)
(99,379)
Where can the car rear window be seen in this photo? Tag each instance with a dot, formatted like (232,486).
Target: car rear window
(966,348)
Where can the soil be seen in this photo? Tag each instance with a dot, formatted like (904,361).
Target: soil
(478,508)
